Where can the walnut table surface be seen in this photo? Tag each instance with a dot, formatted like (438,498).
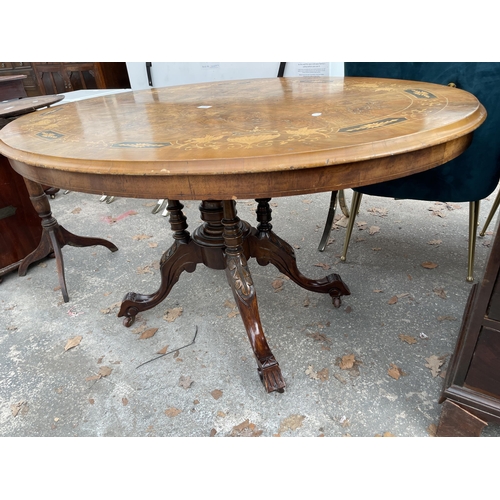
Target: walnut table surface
(221,141)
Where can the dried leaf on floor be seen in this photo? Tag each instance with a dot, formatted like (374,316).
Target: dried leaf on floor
(172,314)
(434,242)
(73,342)
(307,302)
(139,237)
(163,350)
(319,337)
(429,265)
(185,382)
(124,401)
(439,291)
(446,318)
(111,308)
(395,372)
(216,394)
(342,222)
(408,339)
(144,270)
(323,265)
(245,429)
(385,435)
(312,374)
(378,290)
(434,363)
(234,309)
(323,374)
(277,284)
(148,333)
(347,362)
(19,407)
(141,328)
(380,212)
(291,423)
(76,210)
(374,229)
(393,300)
(172,412)
(104,371)
(152,245)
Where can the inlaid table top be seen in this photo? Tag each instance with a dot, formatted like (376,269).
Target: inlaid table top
(244,138)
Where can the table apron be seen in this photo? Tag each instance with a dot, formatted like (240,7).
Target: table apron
(248,185)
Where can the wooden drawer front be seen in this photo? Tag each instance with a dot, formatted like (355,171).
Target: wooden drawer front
(484,371)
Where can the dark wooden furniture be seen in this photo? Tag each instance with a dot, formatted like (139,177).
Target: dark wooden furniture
(20,229)
(18,107)
(45,78)
(25,70)
(11,87)
(471,394)
(222,141)
(56,78)
(25,238)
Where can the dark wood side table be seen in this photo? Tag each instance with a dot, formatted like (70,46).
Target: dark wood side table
(23,240)
(471,393)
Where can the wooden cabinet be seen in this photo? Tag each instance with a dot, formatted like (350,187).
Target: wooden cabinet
(471,394)
(22,68)
(46,78)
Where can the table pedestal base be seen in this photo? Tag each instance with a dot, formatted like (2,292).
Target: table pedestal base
(223,241)
(54,237)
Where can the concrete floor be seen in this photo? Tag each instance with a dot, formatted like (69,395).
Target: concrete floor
(211,387)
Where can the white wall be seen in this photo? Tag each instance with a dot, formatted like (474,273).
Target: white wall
(165,74)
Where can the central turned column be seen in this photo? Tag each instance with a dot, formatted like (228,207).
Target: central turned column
(209,236)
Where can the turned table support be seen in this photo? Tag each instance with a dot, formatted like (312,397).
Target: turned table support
(54,237)
(225,242)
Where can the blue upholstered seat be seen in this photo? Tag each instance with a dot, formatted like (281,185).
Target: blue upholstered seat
(470,177)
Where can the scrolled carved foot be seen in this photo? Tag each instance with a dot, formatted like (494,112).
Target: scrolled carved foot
(127,310)
(271,377)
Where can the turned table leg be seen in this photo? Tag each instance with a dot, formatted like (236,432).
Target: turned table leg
(54,237)
(183,255)
(240,280)
(268,248)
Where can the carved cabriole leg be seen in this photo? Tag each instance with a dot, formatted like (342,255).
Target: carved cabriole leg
(183,255)
(54,237)
(240,280)
(267,248)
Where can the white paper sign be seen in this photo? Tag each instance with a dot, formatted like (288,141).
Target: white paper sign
(313,69)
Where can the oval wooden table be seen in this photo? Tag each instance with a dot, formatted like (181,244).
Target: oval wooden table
(223,141)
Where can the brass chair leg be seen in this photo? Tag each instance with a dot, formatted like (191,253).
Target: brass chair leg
(355,203)
(473,218)
(342,203)
(491,214)
(329,222)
